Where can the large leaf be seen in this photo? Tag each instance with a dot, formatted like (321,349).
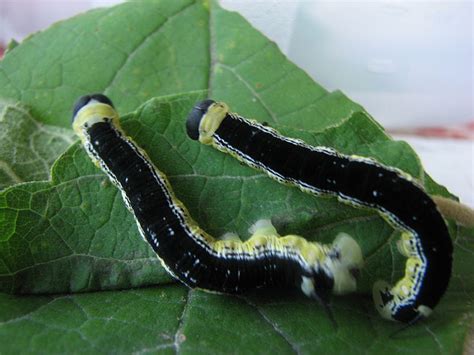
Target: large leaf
(74,234)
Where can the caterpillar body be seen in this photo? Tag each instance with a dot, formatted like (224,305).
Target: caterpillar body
(354,180)
(186,251)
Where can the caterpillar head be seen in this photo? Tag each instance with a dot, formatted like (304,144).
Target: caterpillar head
(91,109)
(204,119)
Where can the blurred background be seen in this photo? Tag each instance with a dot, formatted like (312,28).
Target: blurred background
(409,63)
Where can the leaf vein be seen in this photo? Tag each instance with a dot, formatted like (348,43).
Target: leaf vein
(273,324)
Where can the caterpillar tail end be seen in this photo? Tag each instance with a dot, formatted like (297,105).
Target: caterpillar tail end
(348,264)
(389,308)
(382,296)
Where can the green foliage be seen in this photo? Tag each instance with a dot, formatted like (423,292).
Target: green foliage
(73,234)
(28,148)
(171,319)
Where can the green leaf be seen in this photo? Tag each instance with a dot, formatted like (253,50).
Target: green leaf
(174,319)
(28,148)
(73,233)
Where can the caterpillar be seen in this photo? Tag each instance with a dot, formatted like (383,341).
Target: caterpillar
(187,252)
(355,180)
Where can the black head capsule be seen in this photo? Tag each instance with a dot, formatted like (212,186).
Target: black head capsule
(84,100)
(195,116)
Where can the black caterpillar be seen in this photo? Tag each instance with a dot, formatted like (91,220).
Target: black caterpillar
(354,180)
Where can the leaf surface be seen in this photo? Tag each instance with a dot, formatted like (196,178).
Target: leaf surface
(73,233)
(28,148)
(174,319)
